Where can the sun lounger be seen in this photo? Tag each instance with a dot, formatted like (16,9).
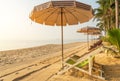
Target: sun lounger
(72,60)
(79,62)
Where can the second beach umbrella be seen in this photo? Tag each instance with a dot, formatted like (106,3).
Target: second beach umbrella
(61,13)
(89,31)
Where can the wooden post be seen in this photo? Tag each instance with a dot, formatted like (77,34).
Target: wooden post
(90,65)
(101,73)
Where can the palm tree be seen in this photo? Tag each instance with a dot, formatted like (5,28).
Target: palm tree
(117,13)
(105,14)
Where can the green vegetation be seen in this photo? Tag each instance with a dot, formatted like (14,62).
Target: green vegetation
(105,14)
(113,38)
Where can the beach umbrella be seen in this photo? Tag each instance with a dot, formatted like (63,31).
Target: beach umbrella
(61,13)
(89,31)
(94,33)
(97,33)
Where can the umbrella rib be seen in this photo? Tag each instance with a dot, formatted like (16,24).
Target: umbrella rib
(50,14)
(65,17)
(72,14)
(56,18)
(43,14)
(82,13)
(39,15)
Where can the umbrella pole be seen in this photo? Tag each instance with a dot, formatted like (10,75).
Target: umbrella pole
(62,37)
(87,39)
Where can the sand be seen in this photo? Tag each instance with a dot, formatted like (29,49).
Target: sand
(18,61)
(42,63)
(20,55)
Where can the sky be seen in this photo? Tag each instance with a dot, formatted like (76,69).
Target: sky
(16,25)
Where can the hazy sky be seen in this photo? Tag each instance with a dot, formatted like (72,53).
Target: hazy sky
(16,25)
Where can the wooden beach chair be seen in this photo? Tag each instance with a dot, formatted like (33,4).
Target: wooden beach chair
(77,62)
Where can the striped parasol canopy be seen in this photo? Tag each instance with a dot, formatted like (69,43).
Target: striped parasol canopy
(88,30)
(94,33)
(72,11)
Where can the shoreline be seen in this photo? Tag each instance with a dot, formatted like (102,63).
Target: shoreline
(19,44)
(35,46)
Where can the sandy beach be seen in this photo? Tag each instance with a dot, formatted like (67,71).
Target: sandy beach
(14,61)
(60,40)
(42,63)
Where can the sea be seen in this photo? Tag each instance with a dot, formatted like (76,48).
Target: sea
(20,44)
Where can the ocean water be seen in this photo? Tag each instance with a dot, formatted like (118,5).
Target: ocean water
(19,44)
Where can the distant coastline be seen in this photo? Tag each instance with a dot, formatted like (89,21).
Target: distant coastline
(20,44)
